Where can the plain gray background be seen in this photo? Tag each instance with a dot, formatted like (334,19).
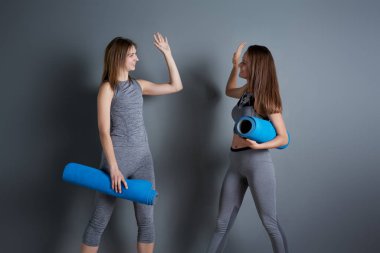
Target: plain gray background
(327,58)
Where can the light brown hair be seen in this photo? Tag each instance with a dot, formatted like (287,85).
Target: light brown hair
(114,59)
(263,81)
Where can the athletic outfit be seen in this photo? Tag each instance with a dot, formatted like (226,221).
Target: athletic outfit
(254,169)
(133,157)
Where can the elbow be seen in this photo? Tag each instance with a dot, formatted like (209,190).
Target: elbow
(179,88)
(103,134)
(284,140)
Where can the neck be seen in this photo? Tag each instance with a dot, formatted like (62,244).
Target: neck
(123,75)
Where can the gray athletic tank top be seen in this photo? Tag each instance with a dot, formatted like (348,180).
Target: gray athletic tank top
(244,107)
(127,123)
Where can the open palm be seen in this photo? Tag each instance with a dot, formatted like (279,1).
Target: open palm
(161,43)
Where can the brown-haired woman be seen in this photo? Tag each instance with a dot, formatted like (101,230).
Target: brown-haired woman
(126,152)
(250,162)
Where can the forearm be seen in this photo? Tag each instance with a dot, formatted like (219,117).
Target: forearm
(275,143)
(108,150)
(175,79)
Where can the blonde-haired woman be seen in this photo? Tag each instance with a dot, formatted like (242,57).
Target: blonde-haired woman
(126,152)
(250,162)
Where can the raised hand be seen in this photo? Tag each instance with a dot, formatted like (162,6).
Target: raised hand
(237,54)
(161,43)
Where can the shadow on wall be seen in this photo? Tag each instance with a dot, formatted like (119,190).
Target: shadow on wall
(70,111)
(192,160)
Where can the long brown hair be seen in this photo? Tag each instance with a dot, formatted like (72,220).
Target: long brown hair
(263,81)
(114,59)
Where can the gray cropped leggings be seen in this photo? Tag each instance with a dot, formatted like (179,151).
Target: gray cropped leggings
(134,163)
(253,168)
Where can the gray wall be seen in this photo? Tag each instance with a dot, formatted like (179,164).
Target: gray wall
(327,59)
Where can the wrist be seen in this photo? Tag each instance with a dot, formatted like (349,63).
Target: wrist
(259,146)
(113,168)
(167,54)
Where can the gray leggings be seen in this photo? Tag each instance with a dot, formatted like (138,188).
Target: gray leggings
(134,163)
(253,168)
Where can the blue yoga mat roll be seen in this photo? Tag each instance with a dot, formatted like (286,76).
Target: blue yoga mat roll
(257,129)
(138,190)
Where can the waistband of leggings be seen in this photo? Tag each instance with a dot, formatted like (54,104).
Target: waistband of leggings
(239,149)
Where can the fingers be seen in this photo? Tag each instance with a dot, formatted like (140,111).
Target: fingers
(113,180)
(237,53)
(118,186)
(251,143)
(115,183)
(158,38)
(125,183)
(155,39)
(117,180)
(161,43)
(240,48)
(156,44)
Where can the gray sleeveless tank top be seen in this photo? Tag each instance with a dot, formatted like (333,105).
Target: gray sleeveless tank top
(127,122)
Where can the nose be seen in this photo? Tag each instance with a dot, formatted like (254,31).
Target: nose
(137,58)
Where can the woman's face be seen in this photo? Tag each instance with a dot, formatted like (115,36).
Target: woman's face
(244,66)
(131,59)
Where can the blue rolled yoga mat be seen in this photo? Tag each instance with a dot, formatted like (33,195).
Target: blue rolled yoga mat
(138,190)
(257,129)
